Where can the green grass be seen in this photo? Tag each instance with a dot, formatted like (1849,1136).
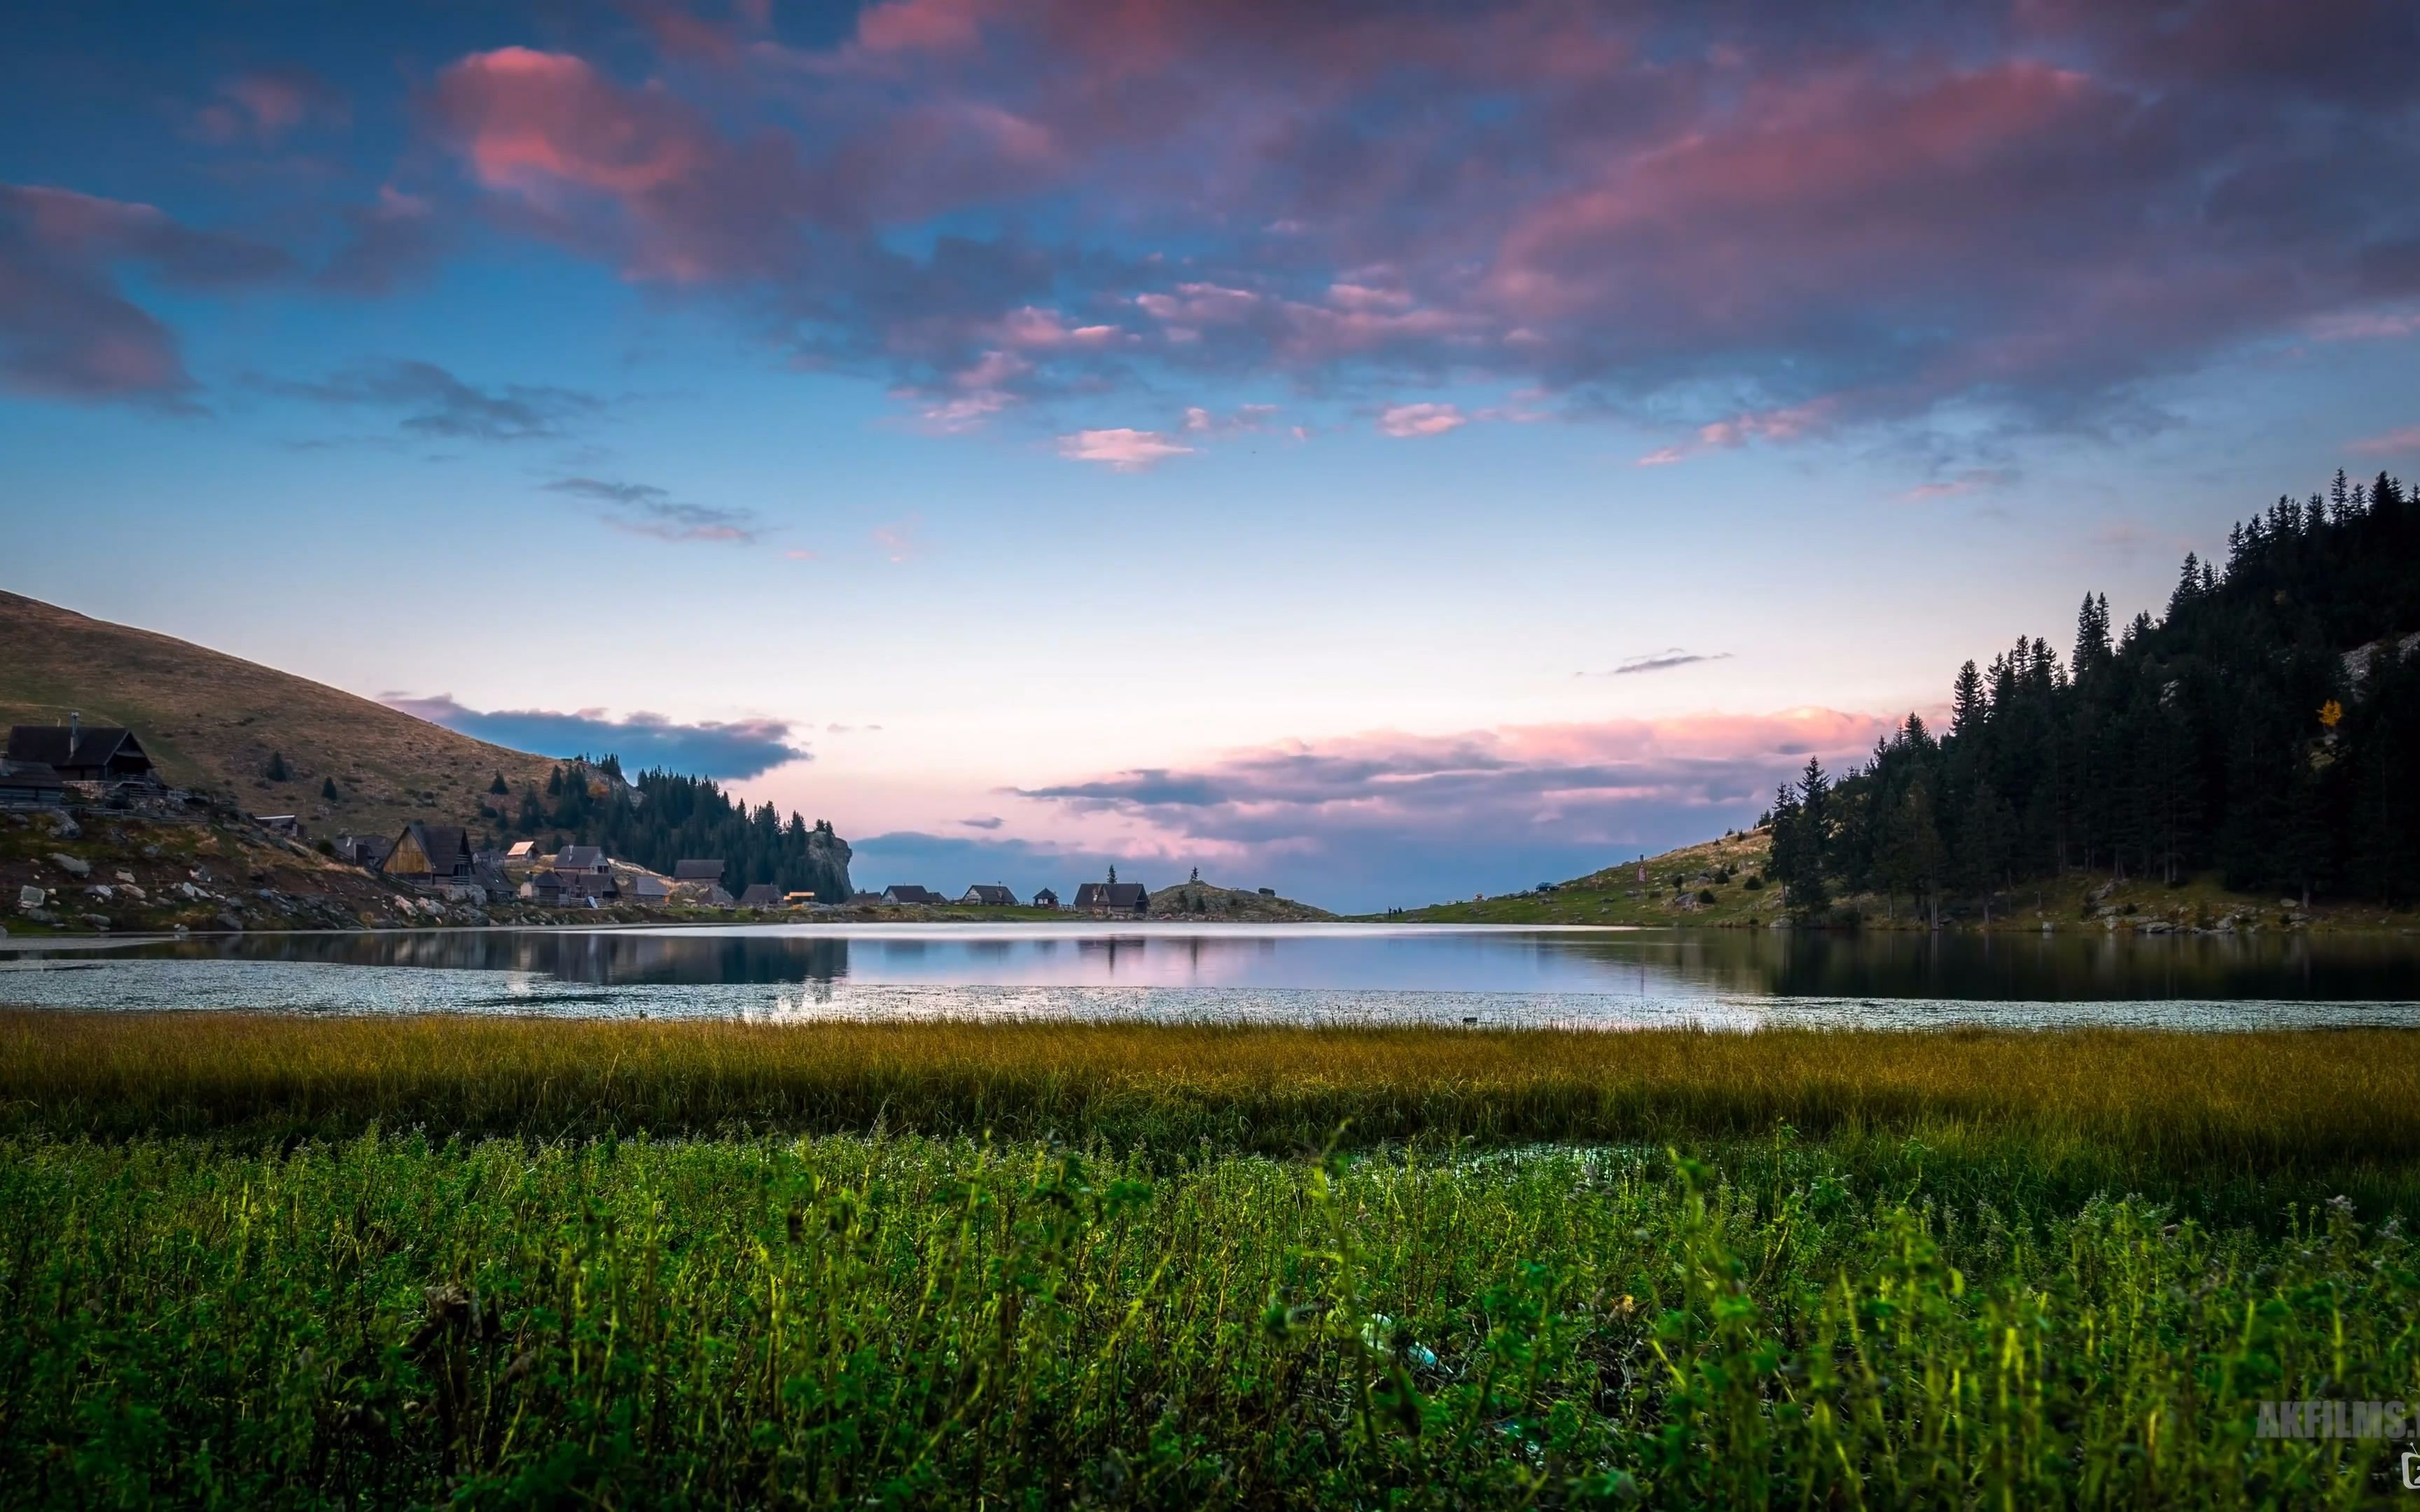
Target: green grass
(271,1261)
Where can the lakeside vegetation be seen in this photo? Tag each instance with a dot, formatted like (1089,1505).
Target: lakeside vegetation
(268,1262)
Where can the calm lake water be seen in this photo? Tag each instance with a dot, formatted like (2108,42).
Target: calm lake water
(1296,973)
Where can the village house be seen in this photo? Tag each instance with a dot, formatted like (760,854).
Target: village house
(280,824)
(761,895)
(429,855)
(1113,898)
(521,853)
(581,861)
(578,890)
(1045,899)
(30,785)
(366,851)
(79,752)
(648,891)
(908,892)
(989,896)
(710,872)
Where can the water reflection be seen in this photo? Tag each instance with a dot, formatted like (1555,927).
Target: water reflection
(1651,970)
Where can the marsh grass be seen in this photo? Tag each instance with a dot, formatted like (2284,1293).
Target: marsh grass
(269,1261)
(2203,1107)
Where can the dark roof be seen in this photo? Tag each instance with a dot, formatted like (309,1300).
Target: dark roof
(1042,893)
(1111,895)
(908,892)
(93,745)
(761,895)
(584,857)
(28,772)
(984,892)
(865,897)
(644,885)
(697,871)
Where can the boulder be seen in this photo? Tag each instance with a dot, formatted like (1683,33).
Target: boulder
(62,826)
(29,899)
(229,922)
(96,922)
(74,865)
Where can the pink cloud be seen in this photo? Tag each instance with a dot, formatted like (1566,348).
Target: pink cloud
(900,540)
(1125,449)
(68,330)
(1586,782)
(1789,423)
(2398,442)
(2366,325)
(1407,420)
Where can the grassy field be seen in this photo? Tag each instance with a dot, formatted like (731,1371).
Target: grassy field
(274,1261)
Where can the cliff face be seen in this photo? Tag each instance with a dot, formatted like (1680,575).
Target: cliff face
(828,855)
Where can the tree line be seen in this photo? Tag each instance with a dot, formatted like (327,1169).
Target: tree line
(671,818)
(2265,728)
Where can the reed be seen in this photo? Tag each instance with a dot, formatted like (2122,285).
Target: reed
(271,1261)
(2178,1098)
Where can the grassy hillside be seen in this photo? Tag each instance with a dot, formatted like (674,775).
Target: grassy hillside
(1616,896)
(1207,900)
(212,722)
(1677,881)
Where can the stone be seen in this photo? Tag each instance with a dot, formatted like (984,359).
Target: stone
(150,852)
(30,899)
(74,865)
(229,922)
(131,892)
(99,921)
(41,916)
(102,891)
(124,876)
(64,828)
(191,893)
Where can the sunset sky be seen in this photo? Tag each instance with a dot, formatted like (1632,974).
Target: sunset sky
(1383,452)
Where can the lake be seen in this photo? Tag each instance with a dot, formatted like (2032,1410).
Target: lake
(1609,978)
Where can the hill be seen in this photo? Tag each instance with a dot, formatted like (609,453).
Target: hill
(1208,901)
(1674,892)
(213,722)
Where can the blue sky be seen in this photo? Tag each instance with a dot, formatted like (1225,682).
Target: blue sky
(1201,434)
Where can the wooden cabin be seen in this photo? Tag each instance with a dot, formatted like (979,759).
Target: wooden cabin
(79,752)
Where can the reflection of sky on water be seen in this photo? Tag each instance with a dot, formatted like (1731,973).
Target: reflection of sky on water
(1296,973)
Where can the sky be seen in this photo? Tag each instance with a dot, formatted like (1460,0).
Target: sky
(1380,452)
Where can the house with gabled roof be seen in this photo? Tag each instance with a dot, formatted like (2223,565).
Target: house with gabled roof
(697,872)
(79,752)
(761,895)
(581,861)
(429,853)
(1114,898)
(1045,898)
(987,894)
(908,892)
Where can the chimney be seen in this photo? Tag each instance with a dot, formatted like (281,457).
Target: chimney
(75,726)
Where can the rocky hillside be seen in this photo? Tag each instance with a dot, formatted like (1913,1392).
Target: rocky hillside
(213,722)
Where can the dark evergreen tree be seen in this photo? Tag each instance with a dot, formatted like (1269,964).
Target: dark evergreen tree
(327,790)
(496,784)
(277,772)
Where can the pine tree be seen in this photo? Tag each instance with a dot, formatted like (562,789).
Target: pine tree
(496,784)
(1966,708)
(327,790)
(277,772)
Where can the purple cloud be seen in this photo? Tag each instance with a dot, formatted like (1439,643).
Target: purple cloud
(737,749)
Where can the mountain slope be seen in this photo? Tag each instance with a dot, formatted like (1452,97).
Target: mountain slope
(212,720)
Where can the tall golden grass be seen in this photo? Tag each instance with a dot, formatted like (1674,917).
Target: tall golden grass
(2166,1098)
